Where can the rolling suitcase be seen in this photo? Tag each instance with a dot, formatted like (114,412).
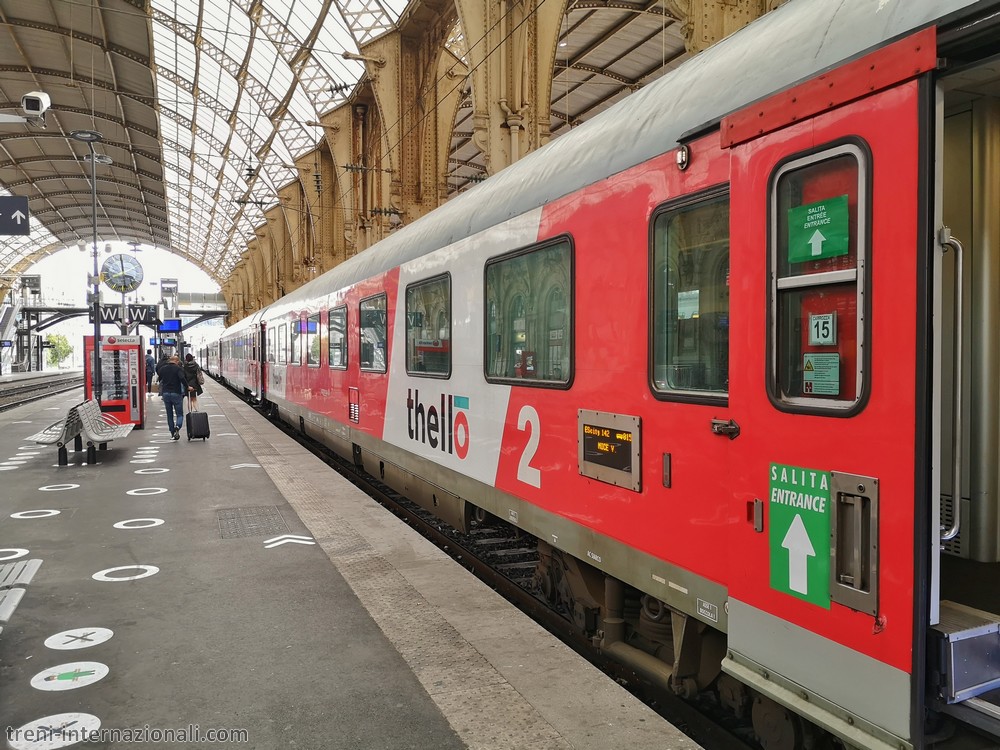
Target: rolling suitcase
(197,425)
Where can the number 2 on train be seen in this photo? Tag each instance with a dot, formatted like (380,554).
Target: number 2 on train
(527,473)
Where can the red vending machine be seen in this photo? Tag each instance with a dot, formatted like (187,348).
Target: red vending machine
(123,377)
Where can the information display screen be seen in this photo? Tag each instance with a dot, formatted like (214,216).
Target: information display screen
(170,325)
(607,447)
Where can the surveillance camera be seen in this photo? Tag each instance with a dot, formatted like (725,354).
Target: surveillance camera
(35,103)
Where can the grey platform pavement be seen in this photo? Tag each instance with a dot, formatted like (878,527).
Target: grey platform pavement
(223,616)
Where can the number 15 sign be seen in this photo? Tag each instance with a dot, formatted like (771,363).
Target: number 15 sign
(823,329)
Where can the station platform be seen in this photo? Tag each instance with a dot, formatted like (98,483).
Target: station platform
(238,591)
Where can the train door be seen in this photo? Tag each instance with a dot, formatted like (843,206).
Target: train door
(252,352)
(826,205)
(262,358)
(965,546)
(253,366)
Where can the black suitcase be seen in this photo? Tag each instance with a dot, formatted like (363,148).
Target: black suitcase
(197,425)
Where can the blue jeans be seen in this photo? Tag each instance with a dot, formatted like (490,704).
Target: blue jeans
(174,403)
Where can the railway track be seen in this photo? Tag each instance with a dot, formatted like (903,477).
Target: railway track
(505,558)
(27,389)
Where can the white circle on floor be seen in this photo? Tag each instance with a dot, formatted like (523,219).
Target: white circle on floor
(70,640)
(148,449)
(168,440)
(54,732)
(143,461)
(57,487)
(10,466)
(69,676)
(22,452)
(15,552)
(35,514)
(147,571)
(158,470)
(139,523)
(147,491)
(16,460)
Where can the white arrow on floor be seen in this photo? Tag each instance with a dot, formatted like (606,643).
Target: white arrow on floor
(287,539)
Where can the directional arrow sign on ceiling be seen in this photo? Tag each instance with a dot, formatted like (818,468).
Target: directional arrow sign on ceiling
(14,215)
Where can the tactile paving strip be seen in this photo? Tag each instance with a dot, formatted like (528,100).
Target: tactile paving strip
(252,521)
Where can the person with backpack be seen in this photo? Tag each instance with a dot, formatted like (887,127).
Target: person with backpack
(195,379)
(173,386)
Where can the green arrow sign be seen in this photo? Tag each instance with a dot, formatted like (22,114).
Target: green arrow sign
(799,533)
(818,230)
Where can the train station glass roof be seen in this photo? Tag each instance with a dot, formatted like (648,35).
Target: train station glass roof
(199,141)
(203,106)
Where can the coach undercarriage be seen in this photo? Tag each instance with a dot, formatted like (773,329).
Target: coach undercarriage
(665,647)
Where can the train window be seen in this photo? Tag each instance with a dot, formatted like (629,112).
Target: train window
(373,334)
(818,218)
(313,339)
(428,327)
(282,347)
(528,320)
(270,345)
(337,326)
(690,307)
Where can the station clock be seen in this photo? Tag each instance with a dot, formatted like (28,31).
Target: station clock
(123,273)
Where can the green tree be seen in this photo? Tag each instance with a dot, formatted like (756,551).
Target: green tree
(59,350)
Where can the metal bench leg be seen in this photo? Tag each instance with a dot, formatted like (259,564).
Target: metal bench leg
(104,446)
(63,457)
(91,454)
(78,443)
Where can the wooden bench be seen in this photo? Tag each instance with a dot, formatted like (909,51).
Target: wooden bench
(59,434)
(99,429)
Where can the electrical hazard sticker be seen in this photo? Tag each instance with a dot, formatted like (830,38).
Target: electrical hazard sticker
(821,374)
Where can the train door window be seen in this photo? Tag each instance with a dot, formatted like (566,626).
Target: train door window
(818,217)
(428,327)
(270,344)
(373,334)
(690,305)
(282,344)
(295,341)
(313,339)
(528,324)
(338,337)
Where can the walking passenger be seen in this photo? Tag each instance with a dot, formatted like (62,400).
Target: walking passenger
(195,379)
(173,386)
(150,370)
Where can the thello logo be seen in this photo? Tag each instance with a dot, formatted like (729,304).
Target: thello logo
(445,427)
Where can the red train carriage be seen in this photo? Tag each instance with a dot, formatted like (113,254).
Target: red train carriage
(730,373)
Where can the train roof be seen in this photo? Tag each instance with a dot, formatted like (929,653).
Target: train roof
(790,44)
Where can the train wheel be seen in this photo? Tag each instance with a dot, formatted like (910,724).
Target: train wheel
(776,727)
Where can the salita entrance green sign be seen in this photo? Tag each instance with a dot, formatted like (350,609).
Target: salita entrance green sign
(799,532)
(818,230)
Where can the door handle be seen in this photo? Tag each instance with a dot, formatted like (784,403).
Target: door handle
(726,427)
